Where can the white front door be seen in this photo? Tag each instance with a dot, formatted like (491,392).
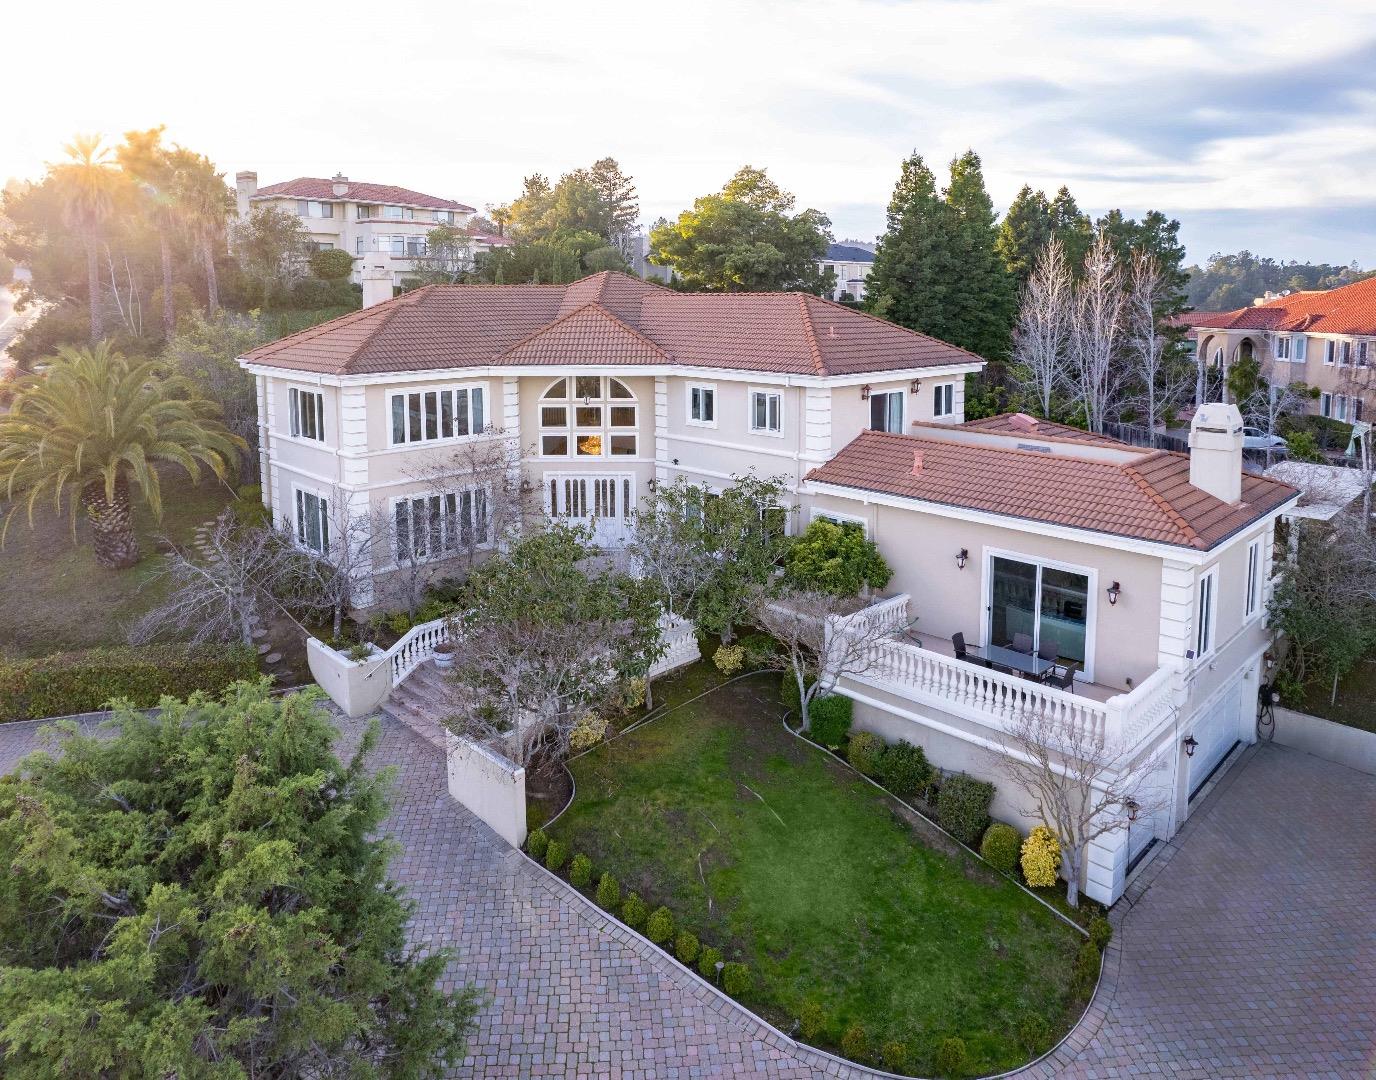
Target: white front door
(604,501)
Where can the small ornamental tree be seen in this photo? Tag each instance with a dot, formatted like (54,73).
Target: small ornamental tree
(835,559)
(747,536)
(206,894)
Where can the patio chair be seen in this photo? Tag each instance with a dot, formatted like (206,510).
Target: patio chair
(1022,643)
(1048,650)
(958,640)
(1060,678)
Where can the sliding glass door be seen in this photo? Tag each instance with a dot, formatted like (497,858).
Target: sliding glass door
(1047,604)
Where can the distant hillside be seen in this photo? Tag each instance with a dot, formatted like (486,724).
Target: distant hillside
(1234,281)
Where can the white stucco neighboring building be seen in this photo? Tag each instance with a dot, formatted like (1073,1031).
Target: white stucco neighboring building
(851,261)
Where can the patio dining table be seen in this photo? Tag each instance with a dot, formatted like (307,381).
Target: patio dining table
(1012,660)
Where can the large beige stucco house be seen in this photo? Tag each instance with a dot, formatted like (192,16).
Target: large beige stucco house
(1144,572)
(381,224)
(1323,338)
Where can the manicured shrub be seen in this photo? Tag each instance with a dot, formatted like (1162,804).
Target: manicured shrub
(1034,1033)
(633,911)
(708,960)
(962,807)
(608,892)
(950,1057)
(1100,932)
(580,871)
(686,947)
(556,855)
(894,1055)
(1000,847)
(536,844)
(905,771)
(659,927)
(1086,971)
(332,264)
(854,1044)
(1041,858)
(86,681)
(587,732)
(729,659)
(866,752)
(829,720)
(758,649)
(812,1021)
(735,979)
(836,559)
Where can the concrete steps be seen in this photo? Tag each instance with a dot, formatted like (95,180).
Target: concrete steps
(418,703)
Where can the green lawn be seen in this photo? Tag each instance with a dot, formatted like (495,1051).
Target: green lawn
(54,597)
(760,843)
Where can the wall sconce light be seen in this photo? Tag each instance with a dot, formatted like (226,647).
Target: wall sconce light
(916,386)
(1190,744)
(526,485)
(675,461)
(1114,591)
(1132,807)
(652,484)
(962,556)
(865,392)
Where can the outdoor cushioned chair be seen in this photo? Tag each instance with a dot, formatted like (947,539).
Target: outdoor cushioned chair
(1060,678)
(1048,650)
(1022,643)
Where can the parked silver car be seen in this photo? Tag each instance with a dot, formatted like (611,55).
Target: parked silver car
(1256,439)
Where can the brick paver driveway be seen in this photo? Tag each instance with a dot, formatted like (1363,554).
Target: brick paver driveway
(1251,951)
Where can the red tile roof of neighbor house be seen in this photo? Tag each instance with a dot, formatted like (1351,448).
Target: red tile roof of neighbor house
(1350,309)
(1033,427)
(315,187)
(607,318)
(1146,497)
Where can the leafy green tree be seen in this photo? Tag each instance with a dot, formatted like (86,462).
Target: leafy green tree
(273,247)
(746,238)
(205,894)
(600,200)
(835,559)
(1157,237)
(89,425)
(149,165)
(204,206)
(747,536)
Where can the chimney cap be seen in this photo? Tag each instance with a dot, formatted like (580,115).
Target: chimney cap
(917,462)
(340,177)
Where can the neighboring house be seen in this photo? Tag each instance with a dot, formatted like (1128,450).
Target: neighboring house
(851,261)
(375,220)
(1326,339)
(1145,572)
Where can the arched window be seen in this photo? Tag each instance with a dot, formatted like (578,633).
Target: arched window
(587,416)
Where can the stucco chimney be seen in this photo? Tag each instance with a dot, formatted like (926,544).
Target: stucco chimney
(245,187)
(340,184)
(376,277)
(1216,451)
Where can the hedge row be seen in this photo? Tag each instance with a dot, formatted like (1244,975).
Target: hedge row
(80,682)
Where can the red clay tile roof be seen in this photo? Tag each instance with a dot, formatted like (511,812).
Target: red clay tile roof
(621,320)
(1147,498)
(1350,309)
(1025,426)
(314,187)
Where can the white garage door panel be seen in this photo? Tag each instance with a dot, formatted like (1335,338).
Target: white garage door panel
(1217,731)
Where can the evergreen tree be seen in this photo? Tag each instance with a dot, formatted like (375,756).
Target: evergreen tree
(907,285)
(1026,228)
(1159,237)
(1073,228)
(982,302)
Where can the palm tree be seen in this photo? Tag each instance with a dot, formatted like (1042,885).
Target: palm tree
(144,159)
(87,184)
(204,204)
(93,422)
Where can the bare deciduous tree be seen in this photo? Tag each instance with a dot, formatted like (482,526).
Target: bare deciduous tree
(223,594)
(1040,339)
(1080,784)
(824,638)
(672,544)
(1160,376)
(1097,373)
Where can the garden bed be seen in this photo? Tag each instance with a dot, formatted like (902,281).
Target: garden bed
(764,846)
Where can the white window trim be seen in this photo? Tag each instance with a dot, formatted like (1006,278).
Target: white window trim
(1206,621)
(406,444)
(710,388)
(572,431)
(1251,603)
(1091,600)
(819,514)
(902,396)
(947,390)
(293,420)
(1298,348)
(768,392)
(1330,352)
(1326,404)
(297,491)
(394,501)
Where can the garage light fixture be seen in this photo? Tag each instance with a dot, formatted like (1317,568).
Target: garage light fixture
(1190,744)
(865,392)
(1132,807)
(1114,591)
(962,557)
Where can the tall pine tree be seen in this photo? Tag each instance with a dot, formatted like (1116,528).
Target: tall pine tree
(1024,232)
(1072,226)
(906,285)
(982,303)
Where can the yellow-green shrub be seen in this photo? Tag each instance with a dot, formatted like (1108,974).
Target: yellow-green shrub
(1000,847)
(587,732)
(729,659)
(1041,857)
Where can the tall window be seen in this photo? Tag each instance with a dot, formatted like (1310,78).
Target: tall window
(1282,347)
(1330,351)
(433,526)
(588,416)
(767,412)
(702,404)
(312,521)
(431,415)
(944,399)
(1253,601)
(1297,350)
(886,411)
(307,414)
(1326,403)
(1346,354)
(1204,618)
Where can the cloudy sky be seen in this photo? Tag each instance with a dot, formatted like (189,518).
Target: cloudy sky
(1252,121)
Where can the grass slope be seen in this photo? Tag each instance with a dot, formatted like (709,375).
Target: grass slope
(758,842)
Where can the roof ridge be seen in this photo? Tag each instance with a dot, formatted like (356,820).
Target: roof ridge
(894,325)
(811,333)
(1186,530)
(996,449)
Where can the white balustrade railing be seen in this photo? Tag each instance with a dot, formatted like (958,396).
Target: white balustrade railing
(416,646)
(1147,705)
(890,614)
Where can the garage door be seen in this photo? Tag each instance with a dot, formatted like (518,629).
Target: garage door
(1155,792)
(1216,730)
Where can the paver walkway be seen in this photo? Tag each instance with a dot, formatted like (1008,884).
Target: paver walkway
(1249,951)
